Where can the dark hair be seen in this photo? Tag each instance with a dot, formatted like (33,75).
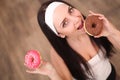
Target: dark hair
(72,59)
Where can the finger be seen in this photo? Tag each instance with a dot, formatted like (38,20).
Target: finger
(25,64)
(96,14)
(32,71)
(91,12)
(103,19)
(99,15)
(96,36)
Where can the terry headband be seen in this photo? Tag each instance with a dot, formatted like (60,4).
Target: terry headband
(49,15)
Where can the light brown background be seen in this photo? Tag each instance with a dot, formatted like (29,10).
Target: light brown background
(19,32)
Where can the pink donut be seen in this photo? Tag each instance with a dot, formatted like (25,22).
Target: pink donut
(33,59)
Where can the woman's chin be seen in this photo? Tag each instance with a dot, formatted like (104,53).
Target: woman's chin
(81,31)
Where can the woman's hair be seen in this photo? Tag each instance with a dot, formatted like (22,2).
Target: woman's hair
(72,59)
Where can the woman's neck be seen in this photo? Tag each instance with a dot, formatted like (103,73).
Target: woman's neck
(77,38)
(83,45)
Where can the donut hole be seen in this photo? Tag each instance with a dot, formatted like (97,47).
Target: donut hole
(32,59)
(93,25)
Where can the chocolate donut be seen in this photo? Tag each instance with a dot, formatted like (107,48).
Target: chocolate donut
(93,25)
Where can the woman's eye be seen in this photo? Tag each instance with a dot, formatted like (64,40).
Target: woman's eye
(70,9)
(65,23)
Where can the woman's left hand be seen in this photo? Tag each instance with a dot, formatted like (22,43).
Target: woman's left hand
(108,28)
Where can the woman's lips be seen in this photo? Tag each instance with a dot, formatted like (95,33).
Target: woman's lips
(81,25)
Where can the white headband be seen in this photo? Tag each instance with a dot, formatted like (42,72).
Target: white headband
(49,15)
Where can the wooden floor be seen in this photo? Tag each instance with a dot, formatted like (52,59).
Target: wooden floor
(19,32)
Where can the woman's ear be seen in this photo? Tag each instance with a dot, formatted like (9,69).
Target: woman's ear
(61,35)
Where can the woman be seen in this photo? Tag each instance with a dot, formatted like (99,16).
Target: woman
(74,53)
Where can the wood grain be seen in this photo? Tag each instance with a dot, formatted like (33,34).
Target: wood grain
(19,32)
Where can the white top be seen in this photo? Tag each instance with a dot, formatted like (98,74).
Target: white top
(100,66)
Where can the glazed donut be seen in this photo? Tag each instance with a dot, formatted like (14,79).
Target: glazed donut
(93,26)
(33,59)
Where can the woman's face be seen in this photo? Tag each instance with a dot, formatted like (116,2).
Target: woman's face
(67,20)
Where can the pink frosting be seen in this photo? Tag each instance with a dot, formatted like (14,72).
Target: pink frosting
(32,59)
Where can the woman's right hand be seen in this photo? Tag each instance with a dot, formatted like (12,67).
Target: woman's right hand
(108,28)
(46,68)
